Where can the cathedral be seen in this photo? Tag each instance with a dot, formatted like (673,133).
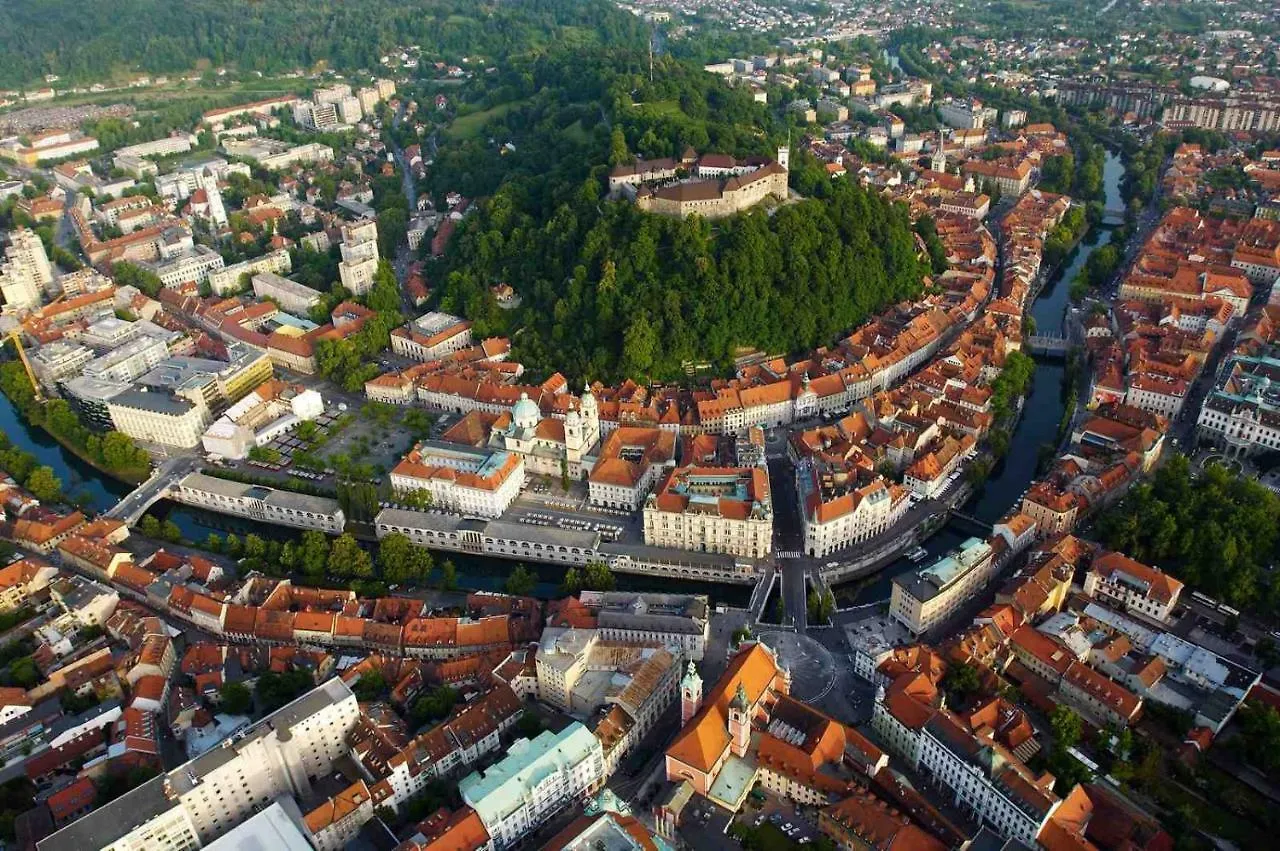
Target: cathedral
(549,446)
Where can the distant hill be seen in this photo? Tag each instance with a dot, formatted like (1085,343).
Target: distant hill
(84,42)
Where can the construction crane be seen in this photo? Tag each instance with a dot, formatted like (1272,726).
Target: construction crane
(16,339)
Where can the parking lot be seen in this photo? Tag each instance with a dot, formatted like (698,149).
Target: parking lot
(794,822)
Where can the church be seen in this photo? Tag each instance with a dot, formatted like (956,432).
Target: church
(550,446)
(750,730)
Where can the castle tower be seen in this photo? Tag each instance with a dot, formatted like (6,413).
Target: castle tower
(739,722)
(784,157)
(939,161)
(690,694)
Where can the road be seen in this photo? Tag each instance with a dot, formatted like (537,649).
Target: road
(169,473)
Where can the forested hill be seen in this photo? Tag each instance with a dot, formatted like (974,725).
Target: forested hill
(610,292)
(89,41)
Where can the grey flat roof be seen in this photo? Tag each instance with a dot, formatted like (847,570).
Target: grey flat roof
(107,824)
(665,555)
(160,403)
(541,534)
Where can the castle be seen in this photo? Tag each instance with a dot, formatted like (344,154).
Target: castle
(711,185)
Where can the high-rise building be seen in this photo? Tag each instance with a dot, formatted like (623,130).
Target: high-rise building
(359,255)
(26,271)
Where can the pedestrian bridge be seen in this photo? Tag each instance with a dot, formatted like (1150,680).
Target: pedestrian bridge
(1049,345)
(969,524)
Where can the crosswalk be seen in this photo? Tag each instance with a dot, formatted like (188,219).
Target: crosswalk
(787,553)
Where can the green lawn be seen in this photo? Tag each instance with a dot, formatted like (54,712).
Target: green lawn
(659,108)
(470,126)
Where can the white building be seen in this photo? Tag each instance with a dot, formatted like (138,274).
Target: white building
(680,621)
(205,798)
(292,296)
(359,255)
(1240,414)
(712,509)
(131,360)
(835,516)
(924,598)
(533,782)
(461,479)
(261,503)
(25,271)
(193,266)
(1133,586)
(431,336)
(158,418)
(227,280)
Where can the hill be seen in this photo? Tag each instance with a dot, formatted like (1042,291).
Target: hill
(91,41)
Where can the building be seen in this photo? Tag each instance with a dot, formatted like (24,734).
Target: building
(158,418)
(431,336)
(25,272)
(630,460)
(548,445)
(290,295)
(202,800)
(837,512)
(749,729)
(535,780)
(1133,586)
(624,687)
(925,598)
(471,481)
(130,361)
(720,185)
(261,503)
(60,359)
(1241,414)
(681,621)
(712,509)
(359,255)
(232,279)
(192,266)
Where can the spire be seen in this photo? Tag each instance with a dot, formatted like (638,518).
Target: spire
(740,701)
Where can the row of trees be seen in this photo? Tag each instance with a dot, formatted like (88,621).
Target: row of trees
(24,469)
(317,557)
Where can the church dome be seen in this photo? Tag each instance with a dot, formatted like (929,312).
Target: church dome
(525,414)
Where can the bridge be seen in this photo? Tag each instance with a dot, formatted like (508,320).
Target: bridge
(132,507)
(1048,345)
(969,524)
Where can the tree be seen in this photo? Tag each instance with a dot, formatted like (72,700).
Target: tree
(821,605)
(961,681)
(572,582)
(44,485)
(371,686)
(235,698)
(232,545)
(254,546)
(24,672)
(596,576)
(401,561)
(315,550)
(618,153)
(1067,727)
(521,581)
(213,543)
(169,531)
(348,559)
(448,575)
